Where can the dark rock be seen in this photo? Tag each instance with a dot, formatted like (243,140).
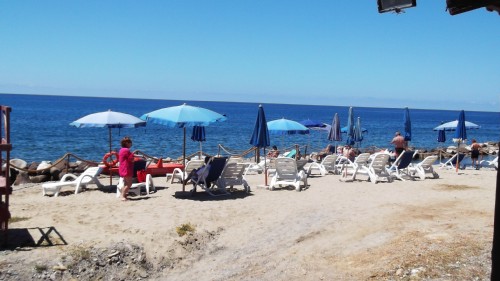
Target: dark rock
(54,173)
(22,178)
(40,178)
(32,167)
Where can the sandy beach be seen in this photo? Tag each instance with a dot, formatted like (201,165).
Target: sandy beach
(436,229)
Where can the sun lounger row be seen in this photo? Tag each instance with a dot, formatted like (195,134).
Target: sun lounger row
(286,171)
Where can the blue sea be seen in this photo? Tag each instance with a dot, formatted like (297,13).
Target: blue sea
(41,130)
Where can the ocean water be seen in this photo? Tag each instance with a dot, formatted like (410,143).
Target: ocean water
(41,131)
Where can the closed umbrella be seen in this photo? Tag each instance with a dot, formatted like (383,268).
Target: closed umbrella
(108,119)
(198,135)
(358,134)
(441,138)
(183,116)
(460,133)
(407,125)
(335,134)
(350,127)
(260,136)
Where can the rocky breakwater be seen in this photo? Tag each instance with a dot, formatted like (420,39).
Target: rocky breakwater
(21,172)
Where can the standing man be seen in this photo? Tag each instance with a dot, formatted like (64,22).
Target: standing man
(399,143)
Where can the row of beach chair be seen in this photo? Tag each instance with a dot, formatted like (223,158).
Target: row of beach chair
(228,172)
(376,167)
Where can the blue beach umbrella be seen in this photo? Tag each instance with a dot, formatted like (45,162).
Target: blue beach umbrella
(260,137)
(350,127)
(183,116)
(441,138)
(460,133)
(452,126)
(198,135)
(407,124)
(260,134)
(108,119)
(312,123)
(461,130)
(345,129)
(286,127)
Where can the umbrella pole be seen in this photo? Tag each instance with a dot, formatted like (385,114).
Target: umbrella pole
(201,150)
(458,156)
(110,171)
(265,167)
(184,155)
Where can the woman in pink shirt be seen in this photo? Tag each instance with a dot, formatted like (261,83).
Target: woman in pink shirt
(126,169)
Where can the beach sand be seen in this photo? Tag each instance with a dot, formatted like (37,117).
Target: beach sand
(439,229)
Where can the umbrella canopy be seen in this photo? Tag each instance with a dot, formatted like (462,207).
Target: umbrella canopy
(260,134)
(358,135)
(183,116)
(334,134)
(350,127)
(345,130)
(108,119)
(452,126)
(407,123)
(286,127)
(312,123)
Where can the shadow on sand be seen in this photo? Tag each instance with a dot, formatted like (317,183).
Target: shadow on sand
(27,238)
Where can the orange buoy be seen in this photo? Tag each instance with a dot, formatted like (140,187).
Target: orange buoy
(108,159)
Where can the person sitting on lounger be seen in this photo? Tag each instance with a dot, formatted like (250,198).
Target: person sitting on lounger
(199,174)
(349,152)
(273,153)
(323,153)
(399,143)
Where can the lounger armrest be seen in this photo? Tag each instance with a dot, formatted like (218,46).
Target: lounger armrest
(70,176)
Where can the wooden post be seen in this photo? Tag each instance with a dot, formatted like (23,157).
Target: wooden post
(495,251)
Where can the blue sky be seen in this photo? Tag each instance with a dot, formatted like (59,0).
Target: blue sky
(301,52)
